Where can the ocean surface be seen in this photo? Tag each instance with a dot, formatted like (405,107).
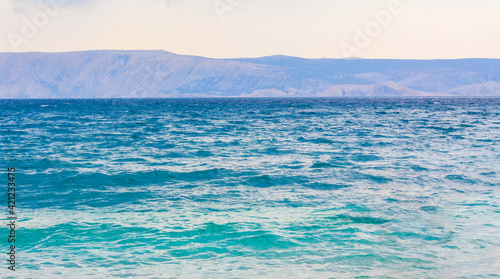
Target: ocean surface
(253,188)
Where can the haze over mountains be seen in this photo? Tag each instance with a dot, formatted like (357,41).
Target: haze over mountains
(147,74)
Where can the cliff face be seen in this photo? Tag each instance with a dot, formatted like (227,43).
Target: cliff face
(145,74)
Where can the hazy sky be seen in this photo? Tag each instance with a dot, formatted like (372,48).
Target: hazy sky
(421,29)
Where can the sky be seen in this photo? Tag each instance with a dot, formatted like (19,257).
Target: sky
(398,29)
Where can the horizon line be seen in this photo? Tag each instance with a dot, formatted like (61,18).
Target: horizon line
(232,58)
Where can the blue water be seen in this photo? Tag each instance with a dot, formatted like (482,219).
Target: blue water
(254,188)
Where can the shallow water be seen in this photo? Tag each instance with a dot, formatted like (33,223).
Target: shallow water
(254,188)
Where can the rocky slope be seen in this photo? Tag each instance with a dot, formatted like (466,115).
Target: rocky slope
(146,74)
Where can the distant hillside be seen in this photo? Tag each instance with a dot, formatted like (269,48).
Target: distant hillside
(146,74)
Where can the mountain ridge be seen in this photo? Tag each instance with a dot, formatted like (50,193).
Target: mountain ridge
(162,74)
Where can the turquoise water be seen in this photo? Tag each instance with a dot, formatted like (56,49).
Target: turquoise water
(254,188)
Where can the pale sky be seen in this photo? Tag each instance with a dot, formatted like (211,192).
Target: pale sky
(404,29)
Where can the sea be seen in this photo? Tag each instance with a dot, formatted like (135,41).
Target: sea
(252,188)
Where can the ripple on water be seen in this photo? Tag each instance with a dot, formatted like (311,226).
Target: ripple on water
(255,188)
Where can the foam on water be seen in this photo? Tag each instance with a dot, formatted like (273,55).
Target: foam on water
(252,188)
